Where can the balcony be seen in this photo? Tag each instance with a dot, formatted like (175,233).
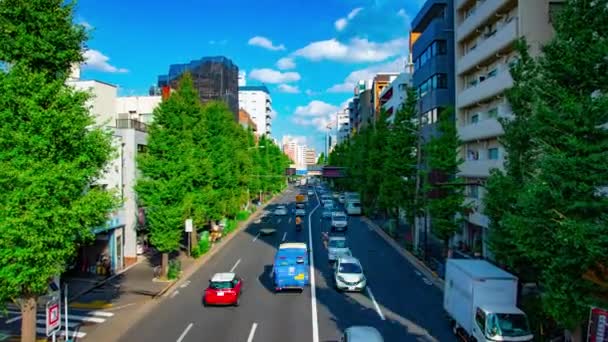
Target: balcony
(484,90)
(476,216)
(460,3)
(483,12)
(480,130)
(480,168)
(131,124)
(501,40)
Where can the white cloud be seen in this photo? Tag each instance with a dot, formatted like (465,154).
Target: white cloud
(86,25)
(96,60)
(315,108)
(310,92)
(265,43)
(317,114)
(348,86)
(298,139)
(286,63)
(403,14)
(341,23)
(356,50)
(273,76)
(289,89)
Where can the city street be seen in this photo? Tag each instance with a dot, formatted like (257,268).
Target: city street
(399,301)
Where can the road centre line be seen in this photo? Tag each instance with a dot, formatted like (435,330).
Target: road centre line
(235,265)
(256,237)
(371,295)
(252,332)
(181,337)
(313,289)
(284,236)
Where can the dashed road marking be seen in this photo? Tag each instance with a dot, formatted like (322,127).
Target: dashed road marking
(426,281)
(235,265)
(418,273)
(181,337)
(371,296)
(256,237)
(313,288)
(284,236)
(252,332)
(174,294)
(185,284)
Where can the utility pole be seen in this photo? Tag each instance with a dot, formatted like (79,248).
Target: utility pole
(417,201)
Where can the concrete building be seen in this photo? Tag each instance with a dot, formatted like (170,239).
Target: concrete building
(342,125)
(290,147)
(140,108)
(393,96)
(380,81)
(301,156)
(484,35)
(257,102)
(310,157)
(215,78)
(246,121)
(365,104)
(432,46)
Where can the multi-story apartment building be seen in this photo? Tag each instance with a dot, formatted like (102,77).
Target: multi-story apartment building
(485,33)
(301,156)
(310,157)
(215,78)
(380,81)
(432,45)
(257,102)
(365,104)
(246,121)
(394,95)
(342,125)
(290,147)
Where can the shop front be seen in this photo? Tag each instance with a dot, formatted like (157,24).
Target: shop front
(104,256)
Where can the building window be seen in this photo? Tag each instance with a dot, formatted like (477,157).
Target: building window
(142,148)
(480,318)
(493,153)
(475,118)
(492,73)
(472,155)
(492,113)
(473,191)
(438,47)
(442,81)
(437,81)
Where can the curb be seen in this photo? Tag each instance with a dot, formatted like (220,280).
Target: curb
(187,273)
(419,265)
(102,282)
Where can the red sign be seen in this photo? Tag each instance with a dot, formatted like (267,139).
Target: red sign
(53,317)
(598,325)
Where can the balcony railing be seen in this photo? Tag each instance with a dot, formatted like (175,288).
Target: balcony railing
(483,12)
(131,124)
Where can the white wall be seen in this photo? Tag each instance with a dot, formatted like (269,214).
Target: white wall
(102,103)
(139,107)
(254,102)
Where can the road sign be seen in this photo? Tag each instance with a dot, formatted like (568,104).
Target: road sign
(188,226)
(53,317)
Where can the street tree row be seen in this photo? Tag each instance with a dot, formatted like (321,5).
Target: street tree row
(202,165)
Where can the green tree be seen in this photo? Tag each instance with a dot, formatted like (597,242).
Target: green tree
(51,153)
(321,159)
(175,183)
(445,201)
(559,222)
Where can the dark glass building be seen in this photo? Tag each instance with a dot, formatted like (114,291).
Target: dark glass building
(433,58)
(215,78)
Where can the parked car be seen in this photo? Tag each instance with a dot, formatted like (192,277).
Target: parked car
(224,289)
(281,210)
(361,334)
(336,248)
(349,275)
(339,221)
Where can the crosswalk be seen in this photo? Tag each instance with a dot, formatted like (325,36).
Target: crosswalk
(76,319)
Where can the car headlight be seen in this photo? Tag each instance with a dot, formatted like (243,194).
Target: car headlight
(341,279)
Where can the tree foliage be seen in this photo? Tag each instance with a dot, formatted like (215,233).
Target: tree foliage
(557,219)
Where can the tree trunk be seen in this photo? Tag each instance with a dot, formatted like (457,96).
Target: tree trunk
(28,320)
(164,265)
(577,335)
(193,238)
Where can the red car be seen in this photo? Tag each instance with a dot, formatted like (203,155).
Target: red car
(224,289)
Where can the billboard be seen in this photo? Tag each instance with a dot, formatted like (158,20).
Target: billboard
(598,325)
(334,172)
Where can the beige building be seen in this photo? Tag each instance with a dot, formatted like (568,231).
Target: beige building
(485,33)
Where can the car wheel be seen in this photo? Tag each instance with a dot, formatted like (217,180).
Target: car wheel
(205,303)
(238,301)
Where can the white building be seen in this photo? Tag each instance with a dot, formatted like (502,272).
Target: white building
(121,116)
(393,96)
(242,78)
(342,125)
(301,156)
(257,102)
(485,33)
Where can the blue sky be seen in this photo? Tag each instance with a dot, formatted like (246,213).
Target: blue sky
(308,53)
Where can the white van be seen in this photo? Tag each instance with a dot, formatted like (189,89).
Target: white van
(353,208)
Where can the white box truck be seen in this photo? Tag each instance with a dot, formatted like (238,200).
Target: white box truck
(481,302)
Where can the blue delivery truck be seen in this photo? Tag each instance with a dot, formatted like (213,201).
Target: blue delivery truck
(291,270)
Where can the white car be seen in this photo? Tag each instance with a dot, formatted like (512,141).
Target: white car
(311,193)
(281,210)
(349,275)
(353,208)
(336,248)
(361,334)
(300,212)
(329,204)
(339,221)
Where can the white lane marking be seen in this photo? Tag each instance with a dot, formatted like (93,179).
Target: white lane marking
(102,313)
(77,334)
(181,337)
(284,236)
(185,284)
(174,293)
(70,324)
(289,220)
(418,273)
(313,289)
(426,281)
(252,332)
(235,265)
(256,237)
(371,295)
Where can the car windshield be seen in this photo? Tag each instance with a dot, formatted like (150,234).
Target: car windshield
(339,216)
(355,204)
(350,268)
(509,325)
(220,285)
(337,243)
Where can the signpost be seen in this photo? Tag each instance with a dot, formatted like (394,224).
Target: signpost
(188,230)
(53,317)
(598,325)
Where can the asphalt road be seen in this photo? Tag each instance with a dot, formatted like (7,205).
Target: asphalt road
(400,303)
